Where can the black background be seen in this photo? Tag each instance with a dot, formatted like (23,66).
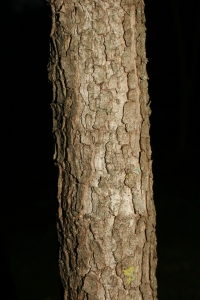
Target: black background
(28,252)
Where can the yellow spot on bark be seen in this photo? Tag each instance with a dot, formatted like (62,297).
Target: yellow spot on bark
(130,274)
(128,175)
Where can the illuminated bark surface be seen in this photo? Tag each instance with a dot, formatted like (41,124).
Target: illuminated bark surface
(106,215)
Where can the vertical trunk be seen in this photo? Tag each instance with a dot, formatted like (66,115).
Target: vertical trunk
(106,216)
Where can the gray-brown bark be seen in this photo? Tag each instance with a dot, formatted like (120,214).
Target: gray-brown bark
(101,113)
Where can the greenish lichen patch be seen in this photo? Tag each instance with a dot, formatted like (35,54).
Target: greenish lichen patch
(129,274)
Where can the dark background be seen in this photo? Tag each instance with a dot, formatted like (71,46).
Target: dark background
(28,242)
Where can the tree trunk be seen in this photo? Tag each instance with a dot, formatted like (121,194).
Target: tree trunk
(106,216)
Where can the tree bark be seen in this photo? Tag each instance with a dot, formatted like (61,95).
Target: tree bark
(106,215)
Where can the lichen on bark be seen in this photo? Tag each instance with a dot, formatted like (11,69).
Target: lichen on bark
(106,215)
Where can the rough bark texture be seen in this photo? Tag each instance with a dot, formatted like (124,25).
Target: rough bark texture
(106,221)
